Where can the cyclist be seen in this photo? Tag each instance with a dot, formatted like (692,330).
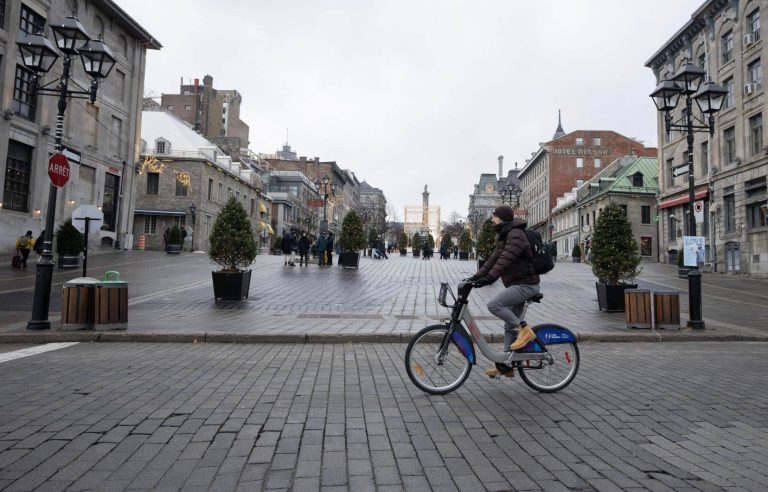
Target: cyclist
(510,261)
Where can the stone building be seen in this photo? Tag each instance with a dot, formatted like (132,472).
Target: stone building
(373,208)
(101,138)
(564,163)
(725,39)
(215,113)
(181,169)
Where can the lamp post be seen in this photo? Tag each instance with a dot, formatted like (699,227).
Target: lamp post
(510,194)
(38,55)
(709,97)
(327,191)
(192,212)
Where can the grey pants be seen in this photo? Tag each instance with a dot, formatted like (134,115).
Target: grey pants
(508,304)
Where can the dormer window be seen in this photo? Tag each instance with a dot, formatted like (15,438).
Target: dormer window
(162,146)
(637,180)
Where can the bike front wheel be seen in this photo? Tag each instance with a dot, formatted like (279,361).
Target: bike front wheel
(434,363)
(549,376)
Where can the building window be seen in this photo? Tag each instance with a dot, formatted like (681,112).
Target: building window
(756,134)
(729,144)
(117,136)
(170,107)
(30,22)
(726,47)
(729,211)
(645,214)
(24,104)
(150,224)
(220,196)
(670,176)
(753,24)
(253,206)
(160,147)
(671,227)
(637,180)
(579,141)
(703,61)
(755,74)
(210,189)
(579,162)
(229,193)
(17,170)
(728,100)
(596,142)
(624,208)
(153,183)
(187,107)
(108,205)
(704,157)
(181,189)
(598,162)
(2,14)
(646,246)
(755,191)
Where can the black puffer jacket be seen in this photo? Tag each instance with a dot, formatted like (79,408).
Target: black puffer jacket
(511,258)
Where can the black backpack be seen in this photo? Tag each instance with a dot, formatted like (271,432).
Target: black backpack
(542,260)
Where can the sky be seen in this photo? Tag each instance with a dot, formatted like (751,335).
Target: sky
(407,93)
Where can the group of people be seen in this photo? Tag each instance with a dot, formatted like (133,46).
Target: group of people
(445,251)
(24,245)
(323,248)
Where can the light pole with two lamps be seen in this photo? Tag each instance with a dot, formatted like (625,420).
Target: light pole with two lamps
(192,213)
(510,194)
(38,55)
(709,98)
(327,191)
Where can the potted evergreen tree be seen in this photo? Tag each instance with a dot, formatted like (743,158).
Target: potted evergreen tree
(174,241)
(576,253)
(486,242)
(233,248)
(615,257)
(69,245)
(465,245)
(277,246)
(402,244)
(416,244)
(352,240)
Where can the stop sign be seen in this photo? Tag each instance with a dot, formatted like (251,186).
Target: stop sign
(58,169)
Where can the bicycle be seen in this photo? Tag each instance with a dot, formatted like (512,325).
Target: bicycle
(439,358)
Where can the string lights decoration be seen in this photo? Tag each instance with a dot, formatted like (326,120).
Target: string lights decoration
(151,164)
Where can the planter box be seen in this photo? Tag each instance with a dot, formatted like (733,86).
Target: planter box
(416,253)
(349,260)
(577,259)
(403,252)
(173,249)
(463,255)
(231,286)
(610,298)
(67,261)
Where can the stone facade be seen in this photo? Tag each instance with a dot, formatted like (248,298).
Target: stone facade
(725,38)
(102,139)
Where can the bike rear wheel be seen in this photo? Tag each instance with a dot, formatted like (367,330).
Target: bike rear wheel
(433,363)
(548,377)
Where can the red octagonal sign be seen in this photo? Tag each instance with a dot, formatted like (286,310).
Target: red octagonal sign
(58,169)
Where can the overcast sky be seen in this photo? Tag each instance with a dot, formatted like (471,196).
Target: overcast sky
(413,92)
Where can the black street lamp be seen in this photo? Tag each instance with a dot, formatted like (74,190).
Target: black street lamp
(709,97)
(510,194)
(38,55)
(192,212)
(327,191)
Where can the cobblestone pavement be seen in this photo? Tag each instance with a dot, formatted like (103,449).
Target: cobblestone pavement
(173,295)
(670,416)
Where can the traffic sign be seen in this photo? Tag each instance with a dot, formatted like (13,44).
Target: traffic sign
(698,211)
(315,203)
(92,213)
(680,170)
(58,169)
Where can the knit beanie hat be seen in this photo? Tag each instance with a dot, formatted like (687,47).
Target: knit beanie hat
(505,213)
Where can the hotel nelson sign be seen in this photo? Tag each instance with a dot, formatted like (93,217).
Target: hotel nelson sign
(580,151)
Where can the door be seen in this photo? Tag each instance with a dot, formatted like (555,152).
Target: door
(732,260)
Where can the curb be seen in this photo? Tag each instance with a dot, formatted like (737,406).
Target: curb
(124,336)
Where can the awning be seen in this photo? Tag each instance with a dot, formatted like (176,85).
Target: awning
(269,227)
(262,208)
(700,193)
(159,212)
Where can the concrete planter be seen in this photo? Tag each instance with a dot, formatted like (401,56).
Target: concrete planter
(610,298)
(173,249)
(68,261)
(231,286)
(349,260)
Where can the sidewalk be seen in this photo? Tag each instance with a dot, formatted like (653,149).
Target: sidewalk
(171,299)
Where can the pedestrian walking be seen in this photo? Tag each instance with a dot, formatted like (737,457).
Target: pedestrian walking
(38,247)
(444,255)
(303,249)
(455,252)
(329,249)
(23,245)
(288,249)
(320,247)
(512,261)
(166,236)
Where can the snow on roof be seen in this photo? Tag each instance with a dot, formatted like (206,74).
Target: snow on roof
(160,124)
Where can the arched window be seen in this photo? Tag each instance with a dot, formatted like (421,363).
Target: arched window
(122,46)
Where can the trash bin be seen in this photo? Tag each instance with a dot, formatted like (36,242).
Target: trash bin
(110,302)
(77,297)
(637,308)
(666,309)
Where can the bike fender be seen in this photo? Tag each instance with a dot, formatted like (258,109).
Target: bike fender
(463,342)
(550,334)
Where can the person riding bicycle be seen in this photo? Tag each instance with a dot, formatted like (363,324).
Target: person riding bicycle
(510,261)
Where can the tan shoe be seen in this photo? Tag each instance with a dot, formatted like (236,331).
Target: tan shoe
(492,372)
(525,336)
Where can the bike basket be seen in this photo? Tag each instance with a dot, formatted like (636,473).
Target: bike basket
(444,291)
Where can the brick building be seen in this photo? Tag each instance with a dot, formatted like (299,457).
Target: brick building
(213,112)
(101,139)
(725,39)
(566,162)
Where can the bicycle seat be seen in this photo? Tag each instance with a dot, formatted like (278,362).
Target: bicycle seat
(537,298)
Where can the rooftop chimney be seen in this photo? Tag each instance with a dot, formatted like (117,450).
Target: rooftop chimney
(501,166)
